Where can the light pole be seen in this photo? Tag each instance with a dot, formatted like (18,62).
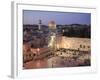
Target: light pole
(38,51)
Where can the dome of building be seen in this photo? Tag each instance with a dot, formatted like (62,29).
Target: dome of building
(52,25)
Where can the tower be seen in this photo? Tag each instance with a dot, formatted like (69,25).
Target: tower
(39,24)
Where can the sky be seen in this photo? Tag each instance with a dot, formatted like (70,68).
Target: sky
(61,18)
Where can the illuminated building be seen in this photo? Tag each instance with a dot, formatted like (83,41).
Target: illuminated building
(52,25)
(52,35)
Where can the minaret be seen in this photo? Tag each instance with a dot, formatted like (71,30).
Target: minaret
(39,25)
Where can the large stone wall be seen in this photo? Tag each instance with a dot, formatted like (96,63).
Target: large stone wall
(74,43)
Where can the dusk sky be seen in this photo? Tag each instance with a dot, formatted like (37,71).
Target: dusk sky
(33,17)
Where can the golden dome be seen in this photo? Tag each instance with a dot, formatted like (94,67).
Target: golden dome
(52,25)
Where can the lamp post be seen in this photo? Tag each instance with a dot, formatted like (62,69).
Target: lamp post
(38,51)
